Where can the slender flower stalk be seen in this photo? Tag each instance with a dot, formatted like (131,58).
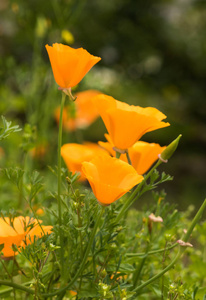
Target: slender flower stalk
(128,158)
(59,180)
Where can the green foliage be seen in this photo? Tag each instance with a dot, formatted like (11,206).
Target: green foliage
(7,129)
(157,52)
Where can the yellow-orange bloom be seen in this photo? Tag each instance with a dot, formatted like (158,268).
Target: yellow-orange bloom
(70,65)
(142,154)
(75,154)
(110,178)
(20,233)
(126,123)
(85,112)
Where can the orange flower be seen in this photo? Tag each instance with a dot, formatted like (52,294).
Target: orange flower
(110,178)
(142,154)
(126,123)
(39,151)
(75,154)
(70,65)
(20,232)
(85,112)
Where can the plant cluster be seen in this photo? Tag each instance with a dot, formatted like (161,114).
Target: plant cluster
(96,246)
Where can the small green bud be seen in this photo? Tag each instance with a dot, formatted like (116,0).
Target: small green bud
(168,152)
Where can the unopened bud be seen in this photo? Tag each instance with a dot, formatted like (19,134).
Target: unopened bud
(184,244)
(168,152)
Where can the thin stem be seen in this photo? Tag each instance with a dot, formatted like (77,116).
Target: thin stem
(134,196)
(61,290)
(180,252)
(17,286)
(59,180)
(128,158)
(151,252)
(140,267)
(5,268)
(118,154)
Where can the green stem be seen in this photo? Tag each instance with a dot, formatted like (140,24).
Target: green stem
(59,180)
(134,196)
(118,154)
(151,252)
(61,290)
(16,286)
(128,158)
(140,267)
(180,252)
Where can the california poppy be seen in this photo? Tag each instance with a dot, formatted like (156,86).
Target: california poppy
(69,65)
(110,178)
(126,123)
(75,154)
(142,154)
(82,113)
(20,232)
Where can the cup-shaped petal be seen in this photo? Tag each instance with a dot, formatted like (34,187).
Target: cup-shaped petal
(75,154)
(126,123)
(142,154)
(69,65)
(110,178)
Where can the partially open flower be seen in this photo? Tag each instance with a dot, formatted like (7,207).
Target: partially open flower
(126,123)
(142,154)
(110,178)
(81,113)
(69,65)
(75,154)
(20,232)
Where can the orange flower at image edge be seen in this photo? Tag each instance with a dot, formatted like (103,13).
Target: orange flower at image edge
(69,65)
(125,123)
(20,233)
(80,113)
(110,178)
(75,154)
(142,154)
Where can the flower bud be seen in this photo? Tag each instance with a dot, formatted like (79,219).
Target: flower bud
(168,152)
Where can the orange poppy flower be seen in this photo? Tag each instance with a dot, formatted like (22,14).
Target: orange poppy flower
(142,154)
(70,65)
(85,112)
(20,233)
(75,154)
(126,123)
(39,151)
(110,178)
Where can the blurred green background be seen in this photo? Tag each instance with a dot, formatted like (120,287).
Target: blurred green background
(153,54)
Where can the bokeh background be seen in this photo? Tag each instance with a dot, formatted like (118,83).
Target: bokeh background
(153,54)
